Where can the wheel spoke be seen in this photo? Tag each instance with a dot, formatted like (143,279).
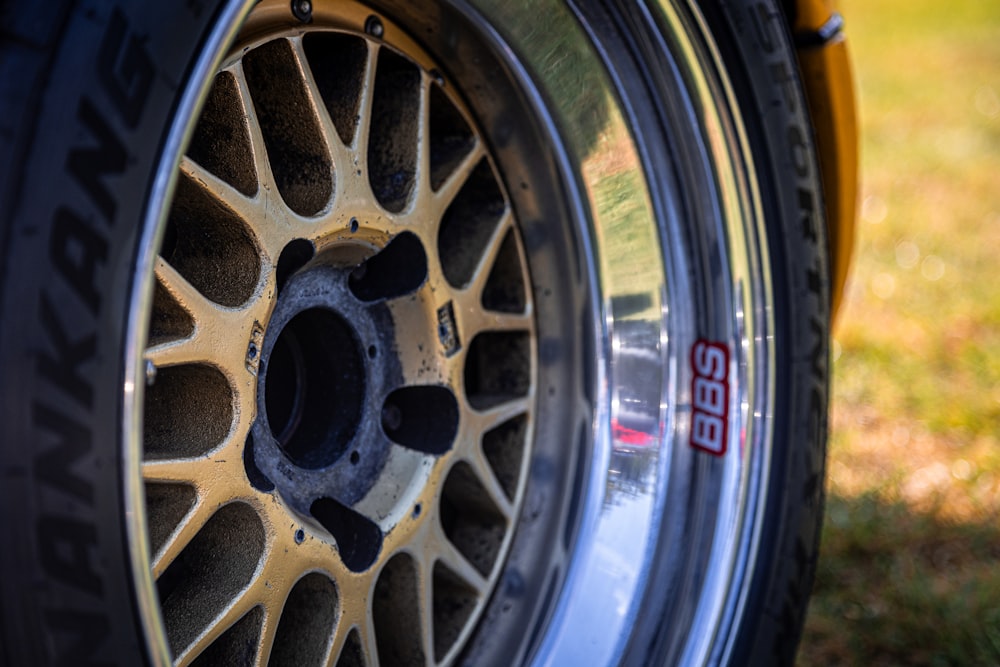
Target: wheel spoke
(268,632)
(262,166)
(186,295)
(363,132)
(240,605)
(423,113)
(480,321)
(482,421)
(186,471)
(219,191)
(338,642)
(175,353)
(425,606)
(340,154)
(369,644)
(458,564)
(215,328)
(452,185)
(489,257)
(186,531)
(494,490)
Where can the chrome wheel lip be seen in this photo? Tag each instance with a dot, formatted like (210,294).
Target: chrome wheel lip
(615,562)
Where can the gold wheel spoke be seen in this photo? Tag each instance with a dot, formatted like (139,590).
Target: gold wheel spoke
(183,471)
(265,177)
(452,185)
(492,485)
(486,320)
(340,155)
(269,630)
(216,327)
(190,525)
(487,419)
(366,634)
(238,607)
(338,641)
(174,353)
(423,142)
(489,257)
(221,192)
(363,131)
(215,478)
(187,296)
(425,597)
(459,565)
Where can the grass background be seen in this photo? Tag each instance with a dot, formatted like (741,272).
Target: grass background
(909,572)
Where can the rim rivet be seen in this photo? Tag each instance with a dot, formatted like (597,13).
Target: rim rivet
(302,10)
(373,26)
(300,536)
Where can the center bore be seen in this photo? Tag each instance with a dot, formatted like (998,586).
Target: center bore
(314,388)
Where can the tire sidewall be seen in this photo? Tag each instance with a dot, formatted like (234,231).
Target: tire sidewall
(115,79)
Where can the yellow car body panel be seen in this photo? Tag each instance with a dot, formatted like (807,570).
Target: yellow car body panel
(829,87)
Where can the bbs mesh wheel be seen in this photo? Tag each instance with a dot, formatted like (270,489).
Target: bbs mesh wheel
(341,369)
(408,333)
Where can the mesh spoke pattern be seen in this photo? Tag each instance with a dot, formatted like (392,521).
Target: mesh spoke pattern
(308,143)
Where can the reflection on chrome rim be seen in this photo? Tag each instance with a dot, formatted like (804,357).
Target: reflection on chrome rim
(671,258)
(687,261)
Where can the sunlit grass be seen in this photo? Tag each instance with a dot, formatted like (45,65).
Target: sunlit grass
(910,568)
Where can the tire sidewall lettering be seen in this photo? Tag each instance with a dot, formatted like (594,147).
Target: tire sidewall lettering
(72,233)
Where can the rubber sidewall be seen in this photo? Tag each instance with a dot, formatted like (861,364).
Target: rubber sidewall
(72,228)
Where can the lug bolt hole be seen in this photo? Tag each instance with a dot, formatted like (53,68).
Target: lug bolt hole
(355,457)
(371,351)
(417,509)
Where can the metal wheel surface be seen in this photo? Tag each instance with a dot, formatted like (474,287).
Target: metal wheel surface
(341,359)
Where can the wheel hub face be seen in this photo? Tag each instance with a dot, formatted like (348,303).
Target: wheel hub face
(320,373)
(341,361)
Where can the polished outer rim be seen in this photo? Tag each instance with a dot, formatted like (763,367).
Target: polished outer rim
(712,506)
(683,302)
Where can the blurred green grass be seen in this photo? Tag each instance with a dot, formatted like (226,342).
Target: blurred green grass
(909,572)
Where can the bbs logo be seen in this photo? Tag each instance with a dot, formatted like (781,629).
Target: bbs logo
(709,397)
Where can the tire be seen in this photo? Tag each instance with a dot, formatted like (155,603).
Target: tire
(408,333)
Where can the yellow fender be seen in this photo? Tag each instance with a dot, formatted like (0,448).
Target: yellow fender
(818,31)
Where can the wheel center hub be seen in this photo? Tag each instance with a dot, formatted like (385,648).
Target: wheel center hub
(325,360)
(314,388)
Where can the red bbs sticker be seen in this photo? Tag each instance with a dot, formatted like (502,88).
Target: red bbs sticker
(709,396)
